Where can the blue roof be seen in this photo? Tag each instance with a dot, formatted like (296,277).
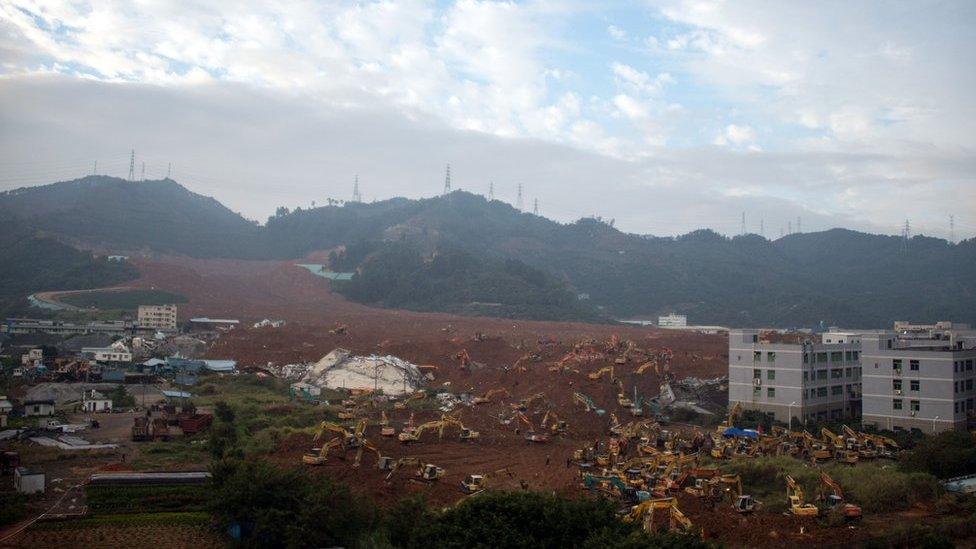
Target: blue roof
(733,432)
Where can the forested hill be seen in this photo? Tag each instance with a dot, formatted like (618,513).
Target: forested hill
(838,277)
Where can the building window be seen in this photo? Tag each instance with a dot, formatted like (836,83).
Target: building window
(847,372)
(771,392)
(821,374)
(955,366)
(822,358)
(836,356)
(857,355)
(896,384)
(969,385)
(914,385)
(955,386)
(896,404)
(956,407)
(837,390)
(756,391)
(849,356)
(756,356)
(836,373)
(806,358)
(757,374)
(969,365)
(914,405)
(896,364)
(770,356)
(771,375)
(806,376)
(821,391)
(913,365)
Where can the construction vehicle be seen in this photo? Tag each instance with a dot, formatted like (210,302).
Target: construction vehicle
(794,496)
(646,366)
(657,515)
(599,373)
(430,472)
(486,398)
(425,471)
(339,329)
(884,446)
(474,483)
(622,394)
(530,434)
(734,412)
(587,403)
(419,395)
(524,404)
(833,497)
(557,426)
(463,358)
(838,446)
(406,436)
(345,440)
(817,450)
(730,486)
(160,429)
(386,429)
(609,484)
(140,428)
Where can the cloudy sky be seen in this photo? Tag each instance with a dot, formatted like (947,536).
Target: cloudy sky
(666,116)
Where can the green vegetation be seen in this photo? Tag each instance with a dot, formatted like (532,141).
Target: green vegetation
(876,487)
(121,397)
(838,277)
(127,300)
(188,518)
(948,454)
(290,507)
(175,453)
(32,262)
(399,275)
(146,499)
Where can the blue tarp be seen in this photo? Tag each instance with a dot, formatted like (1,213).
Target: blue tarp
(733,432)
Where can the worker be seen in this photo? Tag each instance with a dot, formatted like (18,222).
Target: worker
(547,460)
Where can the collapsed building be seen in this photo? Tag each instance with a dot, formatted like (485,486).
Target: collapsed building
(341,370)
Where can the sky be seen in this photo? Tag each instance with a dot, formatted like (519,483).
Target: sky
(665,116)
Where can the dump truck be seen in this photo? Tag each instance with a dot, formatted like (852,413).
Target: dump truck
(193,424)
(160,429)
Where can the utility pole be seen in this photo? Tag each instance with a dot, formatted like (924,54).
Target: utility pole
(491,191)
(132,165)
(518,201)
(535,207)
(447,180)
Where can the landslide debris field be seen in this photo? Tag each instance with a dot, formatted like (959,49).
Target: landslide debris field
(254,290)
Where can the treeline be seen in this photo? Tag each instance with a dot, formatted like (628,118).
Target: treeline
(31,262)
(404,276)
(283,507)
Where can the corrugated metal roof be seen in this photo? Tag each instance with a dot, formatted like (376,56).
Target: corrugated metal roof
(177,394)
(319,270)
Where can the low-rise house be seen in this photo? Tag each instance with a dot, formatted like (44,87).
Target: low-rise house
(38,408)
(94,401)
(27,481)
(5,405)
(116,352)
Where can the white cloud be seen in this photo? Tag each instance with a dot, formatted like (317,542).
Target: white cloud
(617,33)
(735,134)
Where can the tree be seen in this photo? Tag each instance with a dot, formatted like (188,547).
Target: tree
(121,398)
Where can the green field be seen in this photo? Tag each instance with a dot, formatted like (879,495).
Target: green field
(128,300)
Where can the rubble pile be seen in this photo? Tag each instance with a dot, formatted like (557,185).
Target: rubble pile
(341,370)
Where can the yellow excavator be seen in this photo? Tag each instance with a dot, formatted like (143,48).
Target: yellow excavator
(622,398)
(530,435)
(647,366)
(524,404)
(556,426)
(386,429)
(344,441)
(794,495)
(833,497)
(419,395)
(473,484)
(730,486)
(486,398)
(734,412)
(599,373)
(657,515)
(839,447)
(425,471)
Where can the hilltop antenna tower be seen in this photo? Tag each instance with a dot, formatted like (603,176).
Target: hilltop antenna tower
(762,227)
(952,229)
(906,234)
(743,230)
(535,207)
(95,168)
(169,169)
(491,191)
(447,180)
(356,195)
(132,165)
(518,201)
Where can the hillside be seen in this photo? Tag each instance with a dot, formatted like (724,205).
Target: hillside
(838,277)
(31,262)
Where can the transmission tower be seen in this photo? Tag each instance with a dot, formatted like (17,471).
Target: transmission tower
(356,195)
(906,235)
(447,180)
(95,168)
(535,207)
(491,191)
(799,225)
(742,231)
(169,169)
(143,171)
(762,227)
(132,165)
(518,201)
(952,229)
(789,227)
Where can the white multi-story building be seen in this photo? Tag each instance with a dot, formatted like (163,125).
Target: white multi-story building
(805,379)
(117,352)
(672,321)
(157,317)
(917,383)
